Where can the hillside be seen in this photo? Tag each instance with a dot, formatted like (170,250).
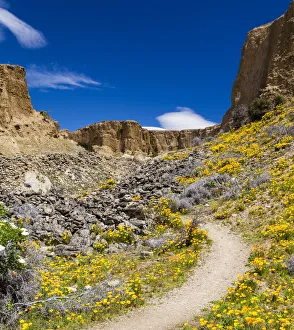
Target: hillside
(242,178)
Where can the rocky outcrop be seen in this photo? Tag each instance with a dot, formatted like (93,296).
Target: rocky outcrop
(69,172)
(52,213)
(267,64)
(131,137)
(23,129)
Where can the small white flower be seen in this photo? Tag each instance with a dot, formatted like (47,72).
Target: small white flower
(13,225)
(72,289)
(24,232)
(2,248)
(22,261)
(88,287)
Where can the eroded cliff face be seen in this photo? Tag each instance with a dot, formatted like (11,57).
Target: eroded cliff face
(130,137)
(23,129)
(267,64)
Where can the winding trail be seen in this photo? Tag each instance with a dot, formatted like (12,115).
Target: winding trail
(212,277)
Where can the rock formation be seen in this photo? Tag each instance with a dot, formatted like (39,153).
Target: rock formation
(53,212)
(130,137)
(267,64)
(23,129)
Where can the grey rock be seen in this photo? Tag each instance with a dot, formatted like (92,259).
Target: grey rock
(146,254)
(113,248)
(138,223)
(36,182)
(114,283)
(25,211)
(82,239)
(62,250)
(290,265)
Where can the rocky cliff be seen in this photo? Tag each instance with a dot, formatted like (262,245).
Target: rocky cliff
(130,137)
(267,64)
(23,129)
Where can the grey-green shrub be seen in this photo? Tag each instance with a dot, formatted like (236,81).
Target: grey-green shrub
(259,107)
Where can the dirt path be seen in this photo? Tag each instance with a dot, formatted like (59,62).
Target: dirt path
(209,282)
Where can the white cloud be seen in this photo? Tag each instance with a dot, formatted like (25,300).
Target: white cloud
(27,36)
(42,78)
(154,128)
(183,118)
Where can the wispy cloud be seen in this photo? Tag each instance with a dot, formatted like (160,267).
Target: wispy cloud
(26,35)
(183,118)
(42,78)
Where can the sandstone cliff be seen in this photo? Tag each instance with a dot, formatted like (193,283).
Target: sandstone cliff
(23,129)
(267,64)
(130,137)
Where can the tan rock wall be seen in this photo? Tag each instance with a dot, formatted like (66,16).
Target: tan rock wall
(23,129)
(267,64)
(130,137)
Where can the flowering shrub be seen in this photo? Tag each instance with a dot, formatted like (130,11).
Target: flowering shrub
(109,184)
(186,180)
(176,156)
(285,142)
(11,250)
(218,147)
(122,234)
(136,198)
(165,216)
(18,278)
(228,166)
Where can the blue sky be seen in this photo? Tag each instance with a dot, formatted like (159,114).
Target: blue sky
(98,60)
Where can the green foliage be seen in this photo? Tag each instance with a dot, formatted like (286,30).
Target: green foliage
(154,153)
(45,114)
(11,239)
(120,131)
(3,211)
(279,100)
(258,108)
(86,146)
(107,185)
(122,234)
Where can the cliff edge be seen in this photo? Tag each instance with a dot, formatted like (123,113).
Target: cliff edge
(267,65)
(23,129)
(130,137)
